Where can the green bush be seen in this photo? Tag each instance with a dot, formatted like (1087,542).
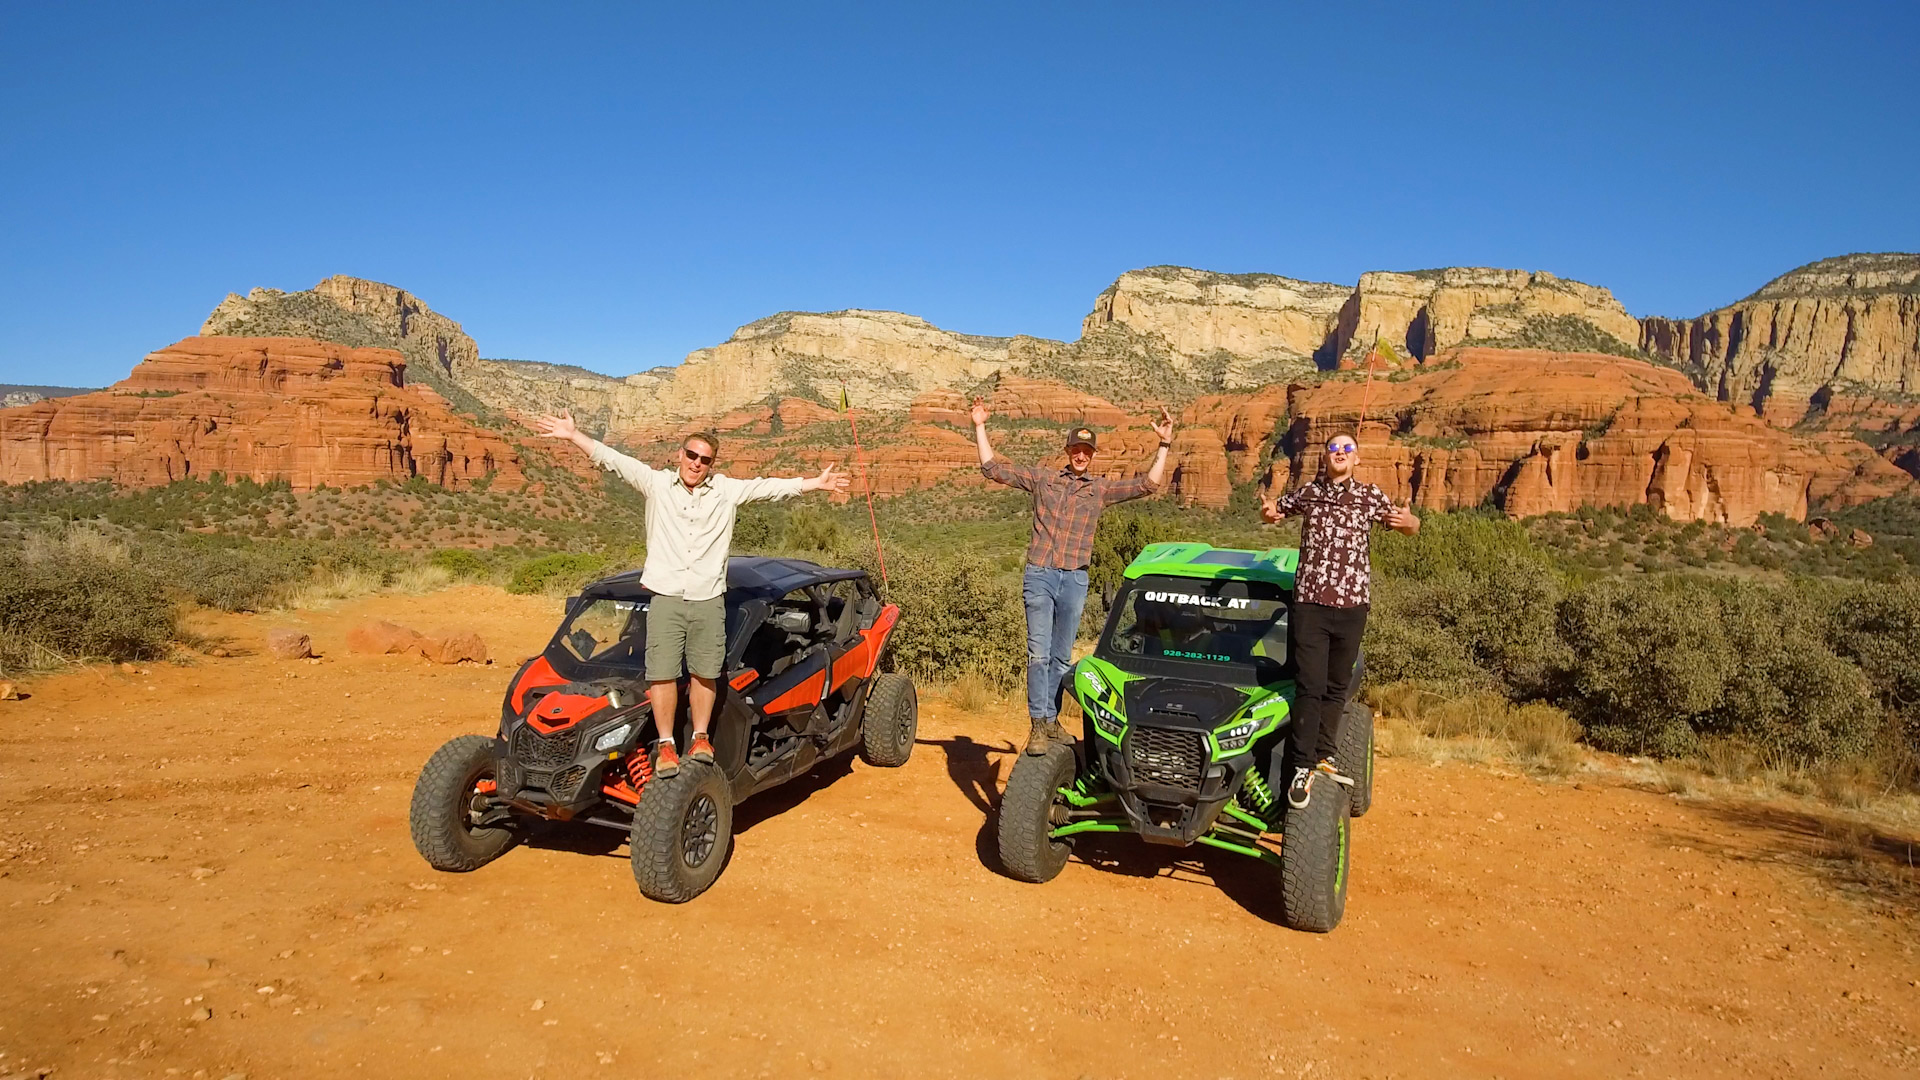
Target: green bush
(957,615)
(1651,657)
(555,574)
(810,531)
(462,564)
(80,597)
(1878,628)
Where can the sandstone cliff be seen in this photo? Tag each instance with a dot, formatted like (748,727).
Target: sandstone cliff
(305,411)
(1836,329)
(1535,432)
(354,311)
(1431,310)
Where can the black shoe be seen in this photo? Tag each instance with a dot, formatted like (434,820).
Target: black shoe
(1037,741)
(1300,792)
(1333,772)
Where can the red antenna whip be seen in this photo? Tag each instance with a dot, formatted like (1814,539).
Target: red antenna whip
(866,481)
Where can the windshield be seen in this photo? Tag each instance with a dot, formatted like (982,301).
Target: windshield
(1222,621)
(597,630)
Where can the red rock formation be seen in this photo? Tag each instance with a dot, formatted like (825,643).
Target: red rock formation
(1538,432)
(304,411)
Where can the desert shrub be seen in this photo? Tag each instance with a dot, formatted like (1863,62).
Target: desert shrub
(958,615)
(1789,695)
(1650,656)
(77,597)
(1878,628)
(558,573)
(757,528)
(1489,626)
(461,564)
(810,530)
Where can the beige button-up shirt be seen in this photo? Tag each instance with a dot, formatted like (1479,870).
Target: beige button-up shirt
(689,531)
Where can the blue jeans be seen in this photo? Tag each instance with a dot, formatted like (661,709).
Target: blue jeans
(1054,599)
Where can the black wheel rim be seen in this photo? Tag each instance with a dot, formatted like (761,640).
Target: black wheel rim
(905,724)
(699,831)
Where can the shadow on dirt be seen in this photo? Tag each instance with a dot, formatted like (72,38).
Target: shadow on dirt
(972,768)
(577,838)
(977,769)
(773,803)
(1853,856)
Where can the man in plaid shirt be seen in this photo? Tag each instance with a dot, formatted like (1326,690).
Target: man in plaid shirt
(1066,509)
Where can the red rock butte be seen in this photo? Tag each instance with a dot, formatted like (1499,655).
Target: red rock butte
(308,412)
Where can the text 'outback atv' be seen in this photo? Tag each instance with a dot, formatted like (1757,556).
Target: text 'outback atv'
(802,684)
(1185,704)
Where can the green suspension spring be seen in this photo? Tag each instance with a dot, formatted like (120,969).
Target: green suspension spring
(1258,792)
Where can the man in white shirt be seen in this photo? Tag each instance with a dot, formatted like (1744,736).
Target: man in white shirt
(690,514)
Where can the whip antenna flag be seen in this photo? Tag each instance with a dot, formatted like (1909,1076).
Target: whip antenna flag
(866,481)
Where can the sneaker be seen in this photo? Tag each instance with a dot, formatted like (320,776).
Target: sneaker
(1300,792)
(665,761)
(1056,733)
(1327,766)
(702,750)
(1037,741)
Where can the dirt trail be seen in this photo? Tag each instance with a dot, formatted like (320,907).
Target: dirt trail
(184,839)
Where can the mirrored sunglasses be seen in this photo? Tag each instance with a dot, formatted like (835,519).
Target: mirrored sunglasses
(1342,448)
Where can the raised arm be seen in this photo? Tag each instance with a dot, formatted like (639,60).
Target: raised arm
(1158,473)
(633,472)
(980,415)
(758,488)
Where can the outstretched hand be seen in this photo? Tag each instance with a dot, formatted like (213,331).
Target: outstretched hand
(1402,517)
(979,412)
(1164,426)
(1269,509)
(828,480)
(556,427)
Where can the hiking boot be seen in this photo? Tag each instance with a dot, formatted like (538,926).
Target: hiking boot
(1300,792)
(665,761)
(1058,734)
(702,750)
(1037,741)
(1333,771)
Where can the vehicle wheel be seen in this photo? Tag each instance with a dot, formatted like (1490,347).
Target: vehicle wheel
(891,720)
(1355,755)
(682,830)
(441,817)
(1313,861)
(1027,812)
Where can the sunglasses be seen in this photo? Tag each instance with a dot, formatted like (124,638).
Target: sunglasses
(1342,448)
(704,459)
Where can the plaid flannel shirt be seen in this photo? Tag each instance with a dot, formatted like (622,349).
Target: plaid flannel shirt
(1066,508)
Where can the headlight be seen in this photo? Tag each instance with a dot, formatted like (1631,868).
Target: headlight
(1105,718)
(613,739)
(1236,736)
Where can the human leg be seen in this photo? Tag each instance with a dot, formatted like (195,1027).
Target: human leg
(666,653)
(1037,594)
(1310,648)
(1069,600)
(1345,627)
(706,654)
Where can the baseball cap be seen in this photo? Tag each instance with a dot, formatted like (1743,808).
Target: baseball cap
(1081,435)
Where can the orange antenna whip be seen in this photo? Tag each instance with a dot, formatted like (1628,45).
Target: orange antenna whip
(866,481)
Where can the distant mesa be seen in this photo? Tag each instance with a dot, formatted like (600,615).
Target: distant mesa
(1518,389)
(14,395)
(308,412)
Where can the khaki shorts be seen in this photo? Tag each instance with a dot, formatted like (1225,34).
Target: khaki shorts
(693,630)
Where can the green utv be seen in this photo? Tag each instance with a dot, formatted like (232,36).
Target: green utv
(1185,704)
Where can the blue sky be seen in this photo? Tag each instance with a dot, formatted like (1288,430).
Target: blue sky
(613,185)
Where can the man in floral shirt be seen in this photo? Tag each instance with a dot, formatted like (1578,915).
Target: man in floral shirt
(1330,600)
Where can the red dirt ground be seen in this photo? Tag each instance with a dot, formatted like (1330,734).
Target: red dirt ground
(186,838)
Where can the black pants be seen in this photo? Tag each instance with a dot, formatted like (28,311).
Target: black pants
(1326,641)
